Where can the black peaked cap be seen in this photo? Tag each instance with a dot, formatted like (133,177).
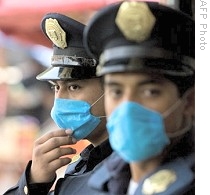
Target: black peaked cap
(69,60)
(168,48)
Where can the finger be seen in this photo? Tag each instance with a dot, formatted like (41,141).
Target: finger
(58,163)
(59,153)
(51,134)
(52,143)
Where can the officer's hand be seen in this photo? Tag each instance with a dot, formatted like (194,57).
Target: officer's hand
(48,155)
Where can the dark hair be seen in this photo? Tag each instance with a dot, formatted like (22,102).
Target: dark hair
(183,83)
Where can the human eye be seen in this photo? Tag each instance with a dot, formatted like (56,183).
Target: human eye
(73,87)
(115,92)
(151,92)
(55,87)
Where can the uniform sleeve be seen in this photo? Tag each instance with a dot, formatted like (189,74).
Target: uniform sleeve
(24,188)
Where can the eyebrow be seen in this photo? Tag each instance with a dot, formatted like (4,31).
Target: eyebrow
(141,83)
(65,81)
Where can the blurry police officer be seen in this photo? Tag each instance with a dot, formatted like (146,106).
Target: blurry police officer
(147,60)
(78,110)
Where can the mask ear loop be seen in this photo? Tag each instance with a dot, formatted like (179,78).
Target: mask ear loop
(188,122)
(96,103)
(97,100)
(187,128)
(172,108)
(176,105)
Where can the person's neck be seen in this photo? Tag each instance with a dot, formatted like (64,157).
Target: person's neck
(98,139)
(140,169)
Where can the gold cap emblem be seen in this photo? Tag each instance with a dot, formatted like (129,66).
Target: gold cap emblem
(135,20)
(158,182)
(56,34)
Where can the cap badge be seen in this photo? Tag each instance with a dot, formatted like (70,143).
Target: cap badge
(158,182)
(55,33)
(135,20)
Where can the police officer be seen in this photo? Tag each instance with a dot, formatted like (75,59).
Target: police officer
(78,110)
(146,55)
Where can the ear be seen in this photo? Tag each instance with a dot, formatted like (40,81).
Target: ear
(189,98)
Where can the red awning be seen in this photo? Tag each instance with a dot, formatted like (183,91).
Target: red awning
(21,18)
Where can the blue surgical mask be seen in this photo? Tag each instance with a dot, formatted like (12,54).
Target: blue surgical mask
(136,133)
(74,115)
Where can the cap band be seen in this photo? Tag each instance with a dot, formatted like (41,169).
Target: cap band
(124,52)
(58,60)
(135,58)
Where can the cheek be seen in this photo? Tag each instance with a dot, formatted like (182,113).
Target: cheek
(98,108)
(174,121)
(109,106)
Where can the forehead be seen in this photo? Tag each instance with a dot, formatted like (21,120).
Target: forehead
(134,78)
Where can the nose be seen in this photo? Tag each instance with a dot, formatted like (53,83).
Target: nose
(130,95)
(61,93)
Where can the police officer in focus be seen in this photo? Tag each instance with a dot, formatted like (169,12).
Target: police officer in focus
(78,110)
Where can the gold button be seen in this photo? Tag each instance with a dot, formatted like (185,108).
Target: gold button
(159,182)
(26,190)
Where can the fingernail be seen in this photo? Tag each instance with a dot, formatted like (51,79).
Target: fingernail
(74,140)
(68,131)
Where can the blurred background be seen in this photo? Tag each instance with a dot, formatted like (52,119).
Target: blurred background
(25,103)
